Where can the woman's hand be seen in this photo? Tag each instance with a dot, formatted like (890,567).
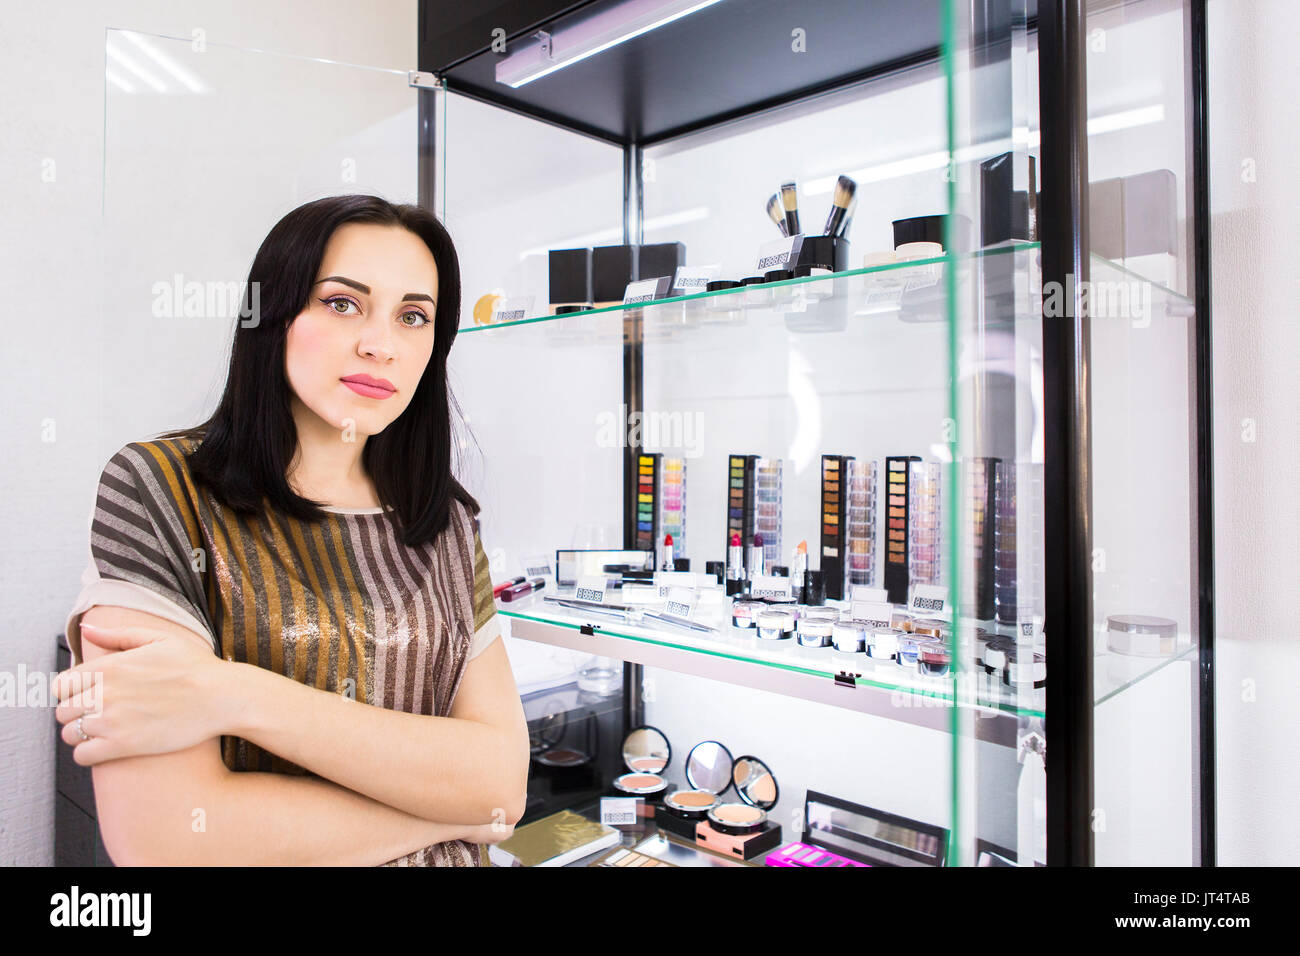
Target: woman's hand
(150,692)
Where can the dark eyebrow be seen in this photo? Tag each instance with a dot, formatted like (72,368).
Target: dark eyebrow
(365,289)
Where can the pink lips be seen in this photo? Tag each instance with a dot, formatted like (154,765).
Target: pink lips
(369,387)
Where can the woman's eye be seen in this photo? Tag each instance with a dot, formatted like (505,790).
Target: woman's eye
(333,304)
(424,319)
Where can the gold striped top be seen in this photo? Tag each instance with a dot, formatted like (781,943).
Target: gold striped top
(342,604)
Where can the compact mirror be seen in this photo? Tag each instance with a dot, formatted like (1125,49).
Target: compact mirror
(754,782)
(646,750)
(708,767)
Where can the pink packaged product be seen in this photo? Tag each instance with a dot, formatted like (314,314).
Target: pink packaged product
(805,854)
(839,833)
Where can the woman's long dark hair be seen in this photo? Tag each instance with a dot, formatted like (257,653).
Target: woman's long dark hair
(247,445)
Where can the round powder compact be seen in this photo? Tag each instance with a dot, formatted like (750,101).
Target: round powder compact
(737,818)
(646,764)
(691,804)
(849,637)
(774,625)
(815,633)
(743,612)
(648,785)
(929,627)
(883,645)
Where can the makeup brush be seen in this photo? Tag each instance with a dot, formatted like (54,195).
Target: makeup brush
(790,200)
(778,217)
(848,216)
(845,190)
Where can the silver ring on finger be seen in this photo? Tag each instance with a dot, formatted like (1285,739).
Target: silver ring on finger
(82,730)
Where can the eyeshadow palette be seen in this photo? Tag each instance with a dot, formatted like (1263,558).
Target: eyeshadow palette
(925,553)
(1006,608)
(896,509)
(860,540)
(980,486)
(672,502)
(647,502)
(835,506)
(767,509)
(740,502)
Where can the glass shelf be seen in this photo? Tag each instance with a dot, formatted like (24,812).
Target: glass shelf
(914,289)
(1114,673)
(905,686)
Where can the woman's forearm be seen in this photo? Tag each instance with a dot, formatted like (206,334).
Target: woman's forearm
(272,819)
(437,768)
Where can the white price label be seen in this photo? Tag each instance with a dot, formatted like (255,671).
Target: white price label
(591,587)
(872,613)
(537,566)
(618,811)
(861,592)
(512,310)
(646,290)
(692,279)
(680,603)
(770,586)
(779,254)
(929,600)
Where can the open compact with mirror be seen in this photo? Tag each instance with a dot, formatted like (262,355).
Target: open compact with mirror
(699,812)
(646,753)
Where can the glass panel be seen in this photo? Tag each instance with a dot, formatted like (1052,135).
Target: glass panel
(206,146)
(1142,363)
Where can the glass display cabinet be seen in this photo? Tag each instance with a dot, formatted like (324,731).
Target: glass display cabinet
(982,402)
(977,397)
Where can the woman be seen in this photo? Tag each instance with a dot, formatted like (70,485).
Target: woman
(306,548)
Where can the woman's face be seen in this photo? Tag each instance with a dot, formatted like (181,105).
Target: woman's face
(370,317)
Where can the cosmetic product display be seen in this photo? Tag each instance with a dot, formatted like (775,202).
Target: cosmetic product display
(631,858)
(931,229)
(570,279)
(882,645)
(790,204)
(1024,668)
(996,650)
(835,512)
(518,591)
(776,213)
(555,840)
(741,479)
(646,753)
(933,658)
(755,564)
(845,189)
(660,850)
(708,771)
(660,259)
(1005,606)
(743,829)
(860,537)
(981,478)
(505,585)
(849,834)
(744,613)
(647,502)
(735,580)
(612,268)
(924,564)
(929,627)
(484,306)
(897,503)
(572,564)
(849,637)
(814,633)
(909,651)
(774,624)
(672,502)
(1141,635)
(767,508)
(1007,213)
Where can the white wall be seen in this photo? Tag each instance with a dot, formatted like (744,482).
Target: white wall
(1254,193)
(84,352)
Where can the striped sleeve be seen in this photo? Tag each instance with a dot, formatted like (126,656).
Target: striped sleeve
(145,544)
(486,624)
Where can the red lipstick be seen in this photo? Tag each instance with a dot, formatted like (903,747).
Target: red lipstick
(369,387)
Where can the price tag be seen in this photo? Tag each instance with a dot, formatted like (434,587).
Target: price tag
(929,600)
(512,310)
(692,279)
(771,587)
(619,811)
(861,592)
(1029,631)
(779,254)
(591,587)
(646,290)
(669,579)
(537,566)
(872,613)
(680,603)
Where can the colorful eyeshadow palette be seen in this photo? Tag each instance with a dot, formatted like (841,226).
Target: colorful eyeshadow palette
(805,854)
(767,508)
(835,522)
(672,502)
(1004,543)
(740,502)
(981,480)
(861,537)
(924,559)
(647,512)
(897,497)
